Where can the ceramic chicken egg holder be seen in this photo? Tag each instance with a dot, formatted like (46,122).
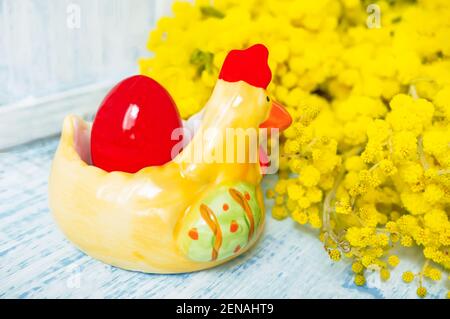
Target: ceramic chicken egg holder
(178,217)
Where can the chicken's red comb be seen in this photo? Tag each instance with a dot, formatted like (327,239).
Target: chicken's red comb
(249,65)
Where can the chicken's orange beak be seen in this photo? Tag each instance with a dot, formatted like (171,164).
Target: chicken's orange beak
(278,118)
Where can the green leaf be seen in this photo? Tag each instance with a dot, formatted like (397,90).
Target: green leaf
(209,11)
(203,60)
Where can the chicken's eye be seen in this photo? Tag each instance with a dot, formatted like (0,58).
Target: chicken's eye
(268,98)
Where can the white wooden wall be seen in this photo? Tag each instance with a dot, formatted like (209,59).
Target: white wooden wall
(61,56)
(51,45)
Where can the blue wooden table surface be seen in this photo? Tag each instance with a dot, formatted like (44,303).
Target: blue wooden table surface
(36,261)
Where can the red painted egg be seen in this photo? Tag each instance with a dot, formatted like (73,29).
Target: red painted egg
(133,126)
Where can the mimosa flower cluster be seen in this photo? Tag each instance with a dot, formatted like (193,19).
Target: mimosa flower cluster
(367,159)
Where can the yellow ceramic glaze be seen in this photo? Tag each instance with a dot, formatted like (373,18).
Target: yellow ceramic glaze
(132,220)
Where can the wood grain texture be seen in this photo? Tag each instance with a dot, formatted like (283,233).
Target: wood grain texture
(36,261)
(38,118)
(49,46)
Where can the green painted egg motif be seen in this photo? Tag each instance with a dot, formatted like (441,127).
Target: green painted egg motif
(222,223)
